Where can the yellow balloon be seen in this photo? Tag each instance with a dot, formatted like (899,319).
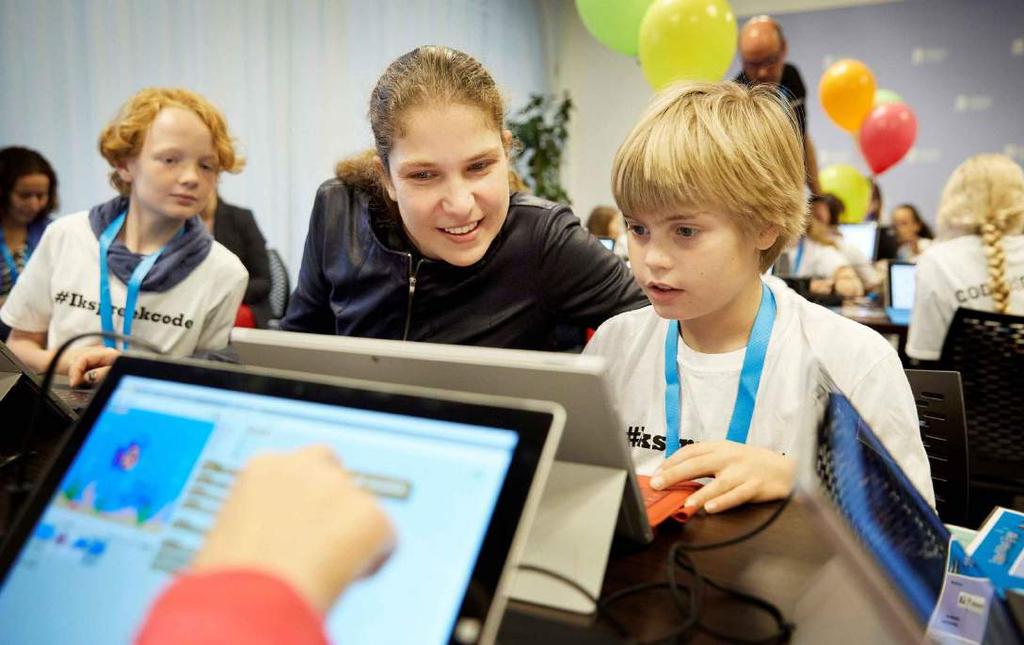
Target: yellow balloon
(693,40)
(847,92)
(851,187)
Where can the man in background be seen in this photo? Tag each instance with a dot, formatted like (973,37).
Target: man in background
(763,52)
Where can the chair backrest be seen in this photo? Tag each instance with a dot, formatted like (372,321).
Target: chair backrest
(940,413)
(280,285)
(988,350)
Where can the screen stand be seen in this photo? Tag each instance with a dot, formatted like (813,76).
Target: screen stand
(571,535)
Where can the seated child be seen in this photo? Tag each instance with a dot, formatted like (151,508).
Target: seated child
(979,264)
(710,182)
(143,263)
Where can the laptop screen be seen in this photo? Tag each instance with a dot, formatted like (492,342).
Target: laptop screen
(881,507)
(901,285)
(863,237)
(609,243)
(146,484)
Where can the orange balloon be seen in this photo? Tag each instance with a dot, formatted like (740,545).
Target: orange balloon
(847,92)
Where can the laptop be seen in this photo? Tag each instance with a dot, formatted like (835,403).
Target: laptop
(863,237)
(593,492)
(149,464)
(899,292)
(70,400)
(26,450)
(893,550)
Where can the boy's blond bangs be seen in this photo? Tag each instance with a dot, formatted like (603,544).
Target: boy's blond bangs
(719,146)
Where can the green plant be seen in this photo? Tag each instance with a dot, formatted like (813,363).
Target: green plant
(541,129)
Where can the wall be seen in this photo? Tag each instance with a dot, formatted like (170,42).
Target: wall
(958,63)
(293,79)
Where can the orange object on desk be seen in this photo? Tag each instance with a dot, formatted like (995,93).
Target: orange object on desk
(245,317)
(668,502)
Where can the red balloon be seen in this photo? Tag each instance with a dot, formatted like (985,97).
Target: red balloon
(886,135)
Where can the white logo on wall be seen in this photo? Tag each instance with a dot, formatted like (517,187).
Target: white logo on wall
(829,157)
(971,103)
(1014,151)
(1017,48)
(928,55)
(923,155)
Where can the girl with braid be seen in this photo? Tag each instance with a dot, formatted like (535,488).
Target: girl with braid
(980,265)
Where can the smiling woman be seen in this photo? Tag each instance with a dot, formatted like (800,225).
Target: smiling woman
(144,251)
(28,194)
(422,239)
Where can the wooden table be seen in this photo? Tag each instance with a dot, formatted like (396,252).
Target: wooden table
(777,565)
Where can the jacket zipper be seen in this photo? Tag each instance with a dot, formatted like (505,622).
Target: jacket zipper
(412,291)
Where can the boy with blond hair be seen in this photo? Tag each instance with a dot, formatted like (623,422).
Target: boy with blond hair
(711,379)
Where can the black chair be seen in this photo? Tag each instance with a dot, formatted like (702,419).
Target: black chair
(280,288)
(940,412)
(988,350)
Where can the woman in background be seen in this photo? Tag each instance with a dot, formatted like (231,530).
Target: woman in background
(28,194)
(912,232)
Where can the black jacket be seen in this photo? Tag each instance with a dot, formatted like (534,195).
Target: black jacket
(360,276)
(236,229)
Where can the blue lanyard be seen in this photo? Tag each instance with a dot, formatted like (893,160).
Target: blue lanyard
(133,287)
(12,267)
(799,256)
(750,376)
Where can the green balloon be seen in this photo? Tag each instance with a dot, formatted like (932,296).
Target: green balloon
(886,96)
(851,187)
(615,23)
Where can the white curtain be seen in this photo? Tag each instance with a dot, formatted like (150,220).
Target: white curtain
(292,77)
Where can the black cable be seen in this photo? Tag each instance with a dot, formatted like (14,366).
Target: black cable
(785,629)
(689,600)
(21,457)
(744,536)
(619,627)
(679,558)
(51,371)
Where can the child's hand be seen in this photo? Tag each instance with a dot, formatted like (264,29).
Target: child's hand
(741,474)
(301,517)
(90,365)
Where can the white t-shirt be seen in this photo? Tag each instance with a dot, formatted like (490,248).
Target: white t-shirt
(861,363)
(954,274)
(817,261)
(58,293)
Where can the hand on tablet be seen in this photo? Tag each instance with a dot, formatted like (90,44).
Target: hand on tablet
(741,474)
(300,517)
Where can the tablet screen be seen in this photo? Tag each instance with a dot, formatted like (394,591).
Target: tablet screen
(146,484)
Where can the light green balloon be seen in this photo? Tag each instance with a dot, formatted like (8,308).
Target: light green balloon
(851,187)
(687,40)
(883,96)
(615,23)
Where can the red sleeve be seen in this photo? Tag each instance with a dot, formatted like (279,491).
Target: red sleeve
(232,606)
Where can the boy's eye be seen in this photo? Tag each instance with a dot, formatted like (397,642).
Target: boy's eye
(422,175)
(480,166)
(686,231)
(636,229)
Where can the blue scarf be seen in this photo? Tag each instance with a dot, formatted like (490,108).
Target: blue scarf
(183,253)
